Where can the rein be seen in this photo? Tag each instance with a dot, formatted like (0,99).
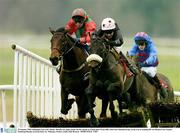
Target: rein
(66,52)
(107,47)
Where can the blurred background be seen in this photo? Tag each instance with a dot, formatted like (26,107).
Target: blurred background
(158,18)
(26,23)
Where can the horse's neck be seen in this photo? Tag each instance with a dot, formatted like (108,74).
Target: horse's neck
(116,62)
(109,62)
(74,59)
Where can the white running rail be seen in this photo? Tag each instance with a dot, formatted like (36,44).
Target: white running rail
(36,88)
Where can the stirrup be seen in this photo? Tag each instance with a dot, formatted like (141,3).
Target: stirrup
(163,93)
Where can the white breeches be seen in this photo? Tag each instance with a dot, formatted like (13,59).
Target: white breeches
(151,71)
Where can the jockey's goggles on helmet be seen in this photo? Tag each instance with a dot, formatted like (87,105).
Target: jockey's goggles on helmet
(141,42)
(108,31)
(78,19)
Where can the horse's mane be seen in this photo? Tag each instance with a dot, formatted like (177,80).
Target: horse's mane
(61,29)
(96,41)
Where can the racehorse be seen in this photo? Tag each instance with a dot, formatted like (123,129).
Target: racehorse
(145,91)
(107,80)
(72,72)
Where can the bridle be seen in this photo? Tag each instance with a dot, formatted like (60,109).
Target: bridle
(68,42)
(106,51)
(67,50)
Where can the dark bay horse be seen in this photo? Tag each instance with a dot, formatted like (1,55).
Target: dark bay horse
(107,80)
(144,91)
(73,70)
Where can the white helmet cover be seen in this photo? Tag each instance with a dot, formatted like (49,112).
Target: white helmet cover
(108,24)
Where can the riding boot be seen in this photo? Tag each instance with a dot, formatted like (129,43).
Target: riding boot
(131,67)
(158,85)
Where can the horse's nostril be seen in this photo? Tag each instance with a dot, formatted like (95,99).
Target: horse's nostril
(55,58)
(50,58)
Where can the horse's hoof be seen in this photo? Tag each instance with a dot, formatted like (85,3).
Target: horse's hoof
(114,115)
(94,122)
(103,115)
(63,111)
(69,103)
(68,107)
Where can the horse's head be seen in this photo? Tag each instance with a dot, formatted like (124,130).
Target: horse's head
(99,51)
(59,45)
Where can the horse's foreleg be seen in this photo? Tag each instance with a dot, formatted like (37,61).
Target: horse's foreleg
(114,91)
(65,102)
(112,109)
(82,106)
(119,99)
(89,93)
(104,107)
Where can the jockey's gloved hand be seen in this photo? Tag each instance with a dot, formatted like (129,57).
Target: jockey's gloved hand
(86,47)
(94,35)
(77,40)
(142,64)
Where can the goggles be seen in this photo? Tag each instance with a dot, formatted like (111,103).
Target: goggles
(108,31)
(141,42)
(78,19)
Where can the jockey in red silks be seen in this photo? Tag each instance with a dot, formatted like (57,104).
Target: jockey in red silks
(146,52)
(80,27)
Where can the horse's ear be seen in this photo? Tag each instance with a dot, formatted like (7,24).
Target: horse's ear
(127,54)
(51,30)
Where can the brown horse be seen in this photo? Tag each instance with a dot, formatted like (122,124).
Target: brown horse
(73,70)
(107,80)
(145,91)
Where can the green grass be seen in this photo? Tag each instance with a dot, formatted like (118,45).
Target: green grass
(169,66)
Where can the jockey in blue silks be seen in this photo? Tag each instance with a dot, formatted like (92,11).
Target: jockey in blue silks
(147,59)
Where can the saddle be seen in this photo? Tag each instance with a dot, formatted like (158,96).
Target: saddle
(121,60)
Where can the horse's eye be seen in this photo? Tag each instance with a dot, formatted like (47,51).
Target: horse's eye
(63,49)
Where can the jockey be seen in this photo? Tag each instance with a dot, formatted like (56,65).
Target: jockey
(111,33)
(146,54)
(80,27)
